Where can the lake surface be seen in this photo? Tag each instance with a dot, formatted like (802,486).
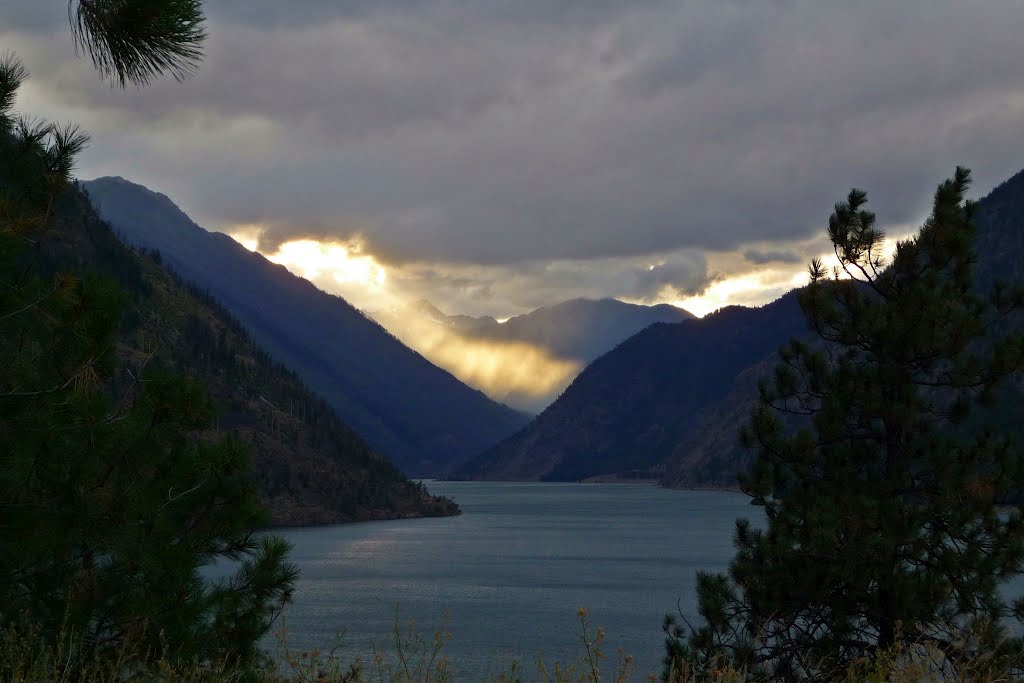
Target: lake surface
(511,572)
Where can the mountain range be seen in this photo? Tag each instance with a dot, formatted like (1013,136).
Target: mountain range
(418,415)
(668,402)
(663,403)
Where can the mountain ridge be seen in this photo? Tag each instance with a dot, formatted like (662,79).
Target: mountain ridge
(631,406)
(420,416)
(308,467)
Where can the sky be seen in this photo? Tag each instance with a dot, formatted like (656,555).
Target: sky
(498,156)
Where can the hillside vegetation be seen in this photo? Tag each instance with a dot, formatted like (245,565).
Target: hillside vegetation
(310,467)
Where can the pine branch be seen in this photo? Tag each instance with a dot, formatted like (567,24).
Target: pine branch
(134,41)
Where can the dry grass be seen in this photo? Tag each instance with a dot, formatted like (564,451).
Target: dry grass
(26,657)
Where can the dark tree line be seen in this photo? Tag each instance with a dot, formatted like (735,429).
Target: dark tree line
(108,508)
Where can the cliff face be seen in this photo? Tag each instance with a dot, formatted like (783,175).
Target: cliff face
(310,468)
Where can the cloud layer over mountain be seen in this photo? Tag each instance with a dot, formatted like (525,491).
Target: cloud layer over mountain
(508,151)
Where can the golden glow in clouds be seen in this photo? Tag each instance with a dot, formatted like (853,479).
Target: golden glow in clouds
(248,236)
(747,289)
(513,372)
(767,283)
(342,261)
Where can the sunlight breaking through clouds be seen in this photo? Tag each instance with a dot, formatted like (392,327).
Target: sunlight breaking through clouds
(521,374)
(343,261)
(248,237)
(517,373)
(476,159)
(747,289)
(767,283)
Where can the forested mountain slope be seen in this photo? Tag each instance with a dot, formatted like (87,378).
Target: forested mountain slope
(420,416)
(309,466)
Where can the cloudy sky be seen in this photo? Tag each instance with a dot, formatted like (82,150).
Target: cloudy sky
(499,155)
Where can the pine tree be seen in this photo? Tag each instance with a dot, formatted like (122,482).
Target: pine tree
(110,508)
(877,474)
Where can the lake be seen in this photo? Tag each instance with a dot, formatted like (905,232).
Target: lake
(508,576)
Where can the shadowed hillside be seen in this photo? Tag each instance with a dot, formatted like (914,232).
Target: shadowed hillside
(420,416)
(310,468)
(629,408)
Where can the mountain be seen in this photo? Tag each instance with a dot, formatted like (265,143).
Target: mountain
(668,402)
(420,416)
(629,409)
(308,466)
(577,331)
(1000,221)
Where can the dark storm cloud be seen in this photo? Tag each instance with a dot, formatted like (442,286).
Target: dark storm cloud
(686,275)
(761,257)
(32,16)
(527,131)
(275,13)
(500,289)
